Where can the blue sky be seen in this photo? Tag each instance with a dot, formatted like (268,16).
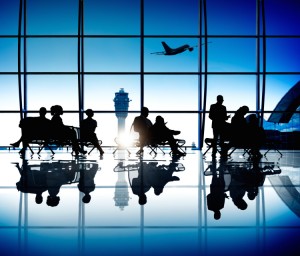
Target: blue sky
(163,19)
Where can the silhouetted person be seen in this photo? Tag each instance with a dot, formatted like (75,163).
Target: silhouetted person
(161,133)
(32,181)
(61,132)
(160,175)
(256,136)
(140,185)
(218,115)
(58,174)
(33,128)
(217,195)
(141,125)
(237,191)
(86,181)
(239,127)
(87,130)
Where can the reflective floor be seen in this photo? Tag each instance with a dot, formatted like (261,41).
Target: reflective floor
(126,205)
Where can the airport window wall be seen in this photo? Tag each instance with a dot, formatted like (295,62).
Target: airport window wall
(79,53)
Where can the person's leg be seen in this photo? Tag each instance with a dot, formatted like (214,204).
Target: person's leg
(215,141)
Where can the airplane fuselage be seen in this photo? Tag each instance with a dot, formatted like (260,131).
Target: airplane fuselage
(178,50)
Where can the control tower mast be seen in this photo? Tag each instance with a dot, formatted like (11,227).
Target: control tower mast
(121,107)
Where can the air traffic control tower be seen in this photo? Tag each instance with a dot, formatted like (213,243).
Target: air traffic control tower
(121,107)
(121,100)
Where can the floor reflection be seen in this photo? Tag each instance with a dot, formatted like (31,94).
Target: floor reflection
(149,206)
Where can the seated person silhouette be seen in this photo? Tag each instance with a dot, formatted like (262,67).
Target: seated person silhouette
(256,135)
(87,130)
(239,127)
(161,133)
(141,125)
(33,128)
(61,132)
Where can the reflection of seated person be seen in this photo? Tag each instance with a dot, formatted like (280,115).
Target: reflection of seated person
(32,181)
(237,191)
(160,175)
(58,174)
(140,185)
(62,132)
(86,181)
(87,130)
(141,125)
(161,133)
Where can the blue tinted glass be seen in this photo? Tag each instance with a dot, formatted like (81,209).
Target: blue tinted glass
(282,17)
(186,61)
(9,16)
(52,54)
(231,17)
(171,17)
(282,54)
(111,17)
(52,17)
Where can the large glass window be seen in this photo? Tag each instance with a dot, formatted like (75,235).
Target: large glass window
(78,54)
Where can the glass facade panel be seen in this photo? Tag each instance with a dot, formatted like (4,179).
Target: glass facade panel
(112,55)
(232,55)
(10,130)
(237,90)
(233,17)
(171,17)
(9,85)
(52,17)
(9,14)
(49,90)
(99,92)
(171,92)
(52,55)
(281,55)
(282,17)
(9,54)
(184,62)
(115,17)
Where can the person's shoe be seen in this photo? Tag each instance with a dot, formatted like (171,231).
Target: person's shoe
(176,132)
(15,145)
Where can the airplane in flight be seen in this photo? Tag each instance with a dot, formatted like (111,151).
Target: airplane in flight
(173,51)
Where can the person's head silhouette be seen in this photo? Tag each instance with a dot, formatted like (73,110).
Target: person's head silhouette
(142,199)
(43,111)
(144,111)
(89,112)
(220,99)
(86,198)
(217,215)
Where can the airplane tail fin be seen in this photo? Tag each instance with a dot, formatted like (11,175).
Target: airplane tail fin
(166,47)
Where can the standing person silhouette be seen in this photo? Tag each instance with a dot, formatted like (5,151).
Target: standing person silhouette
(218,115)
(87,130)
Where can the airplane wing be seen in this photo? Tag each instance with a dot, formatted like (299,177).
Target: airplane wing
(158,53)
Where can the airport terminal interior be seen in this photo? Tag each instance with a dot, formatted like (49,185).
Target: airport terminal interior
(173,57)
